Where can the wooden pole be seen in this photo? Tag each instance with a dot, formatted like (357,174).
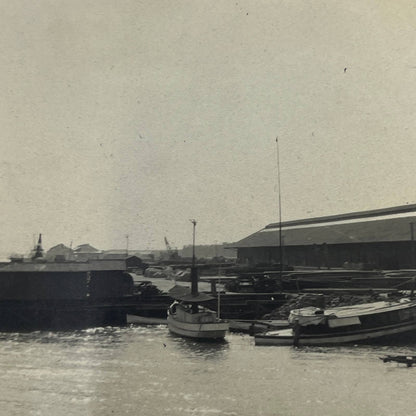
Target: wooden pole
(412,244)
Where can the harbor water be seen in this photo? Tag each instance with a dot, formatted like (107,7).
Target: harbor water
(144,370)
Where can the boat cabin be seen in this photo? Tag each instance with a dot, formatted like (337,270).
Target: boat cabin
(187,312)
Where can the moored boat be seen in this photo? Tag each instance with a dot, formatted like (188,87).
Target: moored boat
(257,326)
(358,323)
(194,321)
(400,359)
(187,317)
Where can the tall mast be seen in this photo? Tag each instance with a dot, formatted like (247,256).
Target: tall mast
(280,207)
(194,273)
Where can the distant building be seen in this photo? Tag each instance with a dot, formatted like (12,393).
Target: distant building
(86,252)
(209,251)
(148,256)
(132,262)
(382,238)
(59,252)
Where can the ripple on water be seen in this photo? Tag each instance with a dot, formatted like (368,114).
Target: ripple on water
(145,370)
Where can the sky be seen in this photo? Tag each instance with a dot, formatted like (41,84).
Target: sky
(133,117)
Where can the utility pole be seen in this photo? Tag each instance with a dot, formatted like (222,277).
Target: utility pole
(412,244)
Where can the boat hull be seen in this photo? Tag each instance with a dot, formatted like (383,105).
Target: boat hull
(286,337)
(257,326)
(214,330)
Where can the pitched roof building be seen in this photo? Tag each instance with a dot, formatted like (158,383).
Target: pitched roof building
(86,252)
(383,238)
(60,252)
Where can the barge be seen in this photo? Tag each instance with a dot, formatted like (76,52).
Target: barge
(36,294)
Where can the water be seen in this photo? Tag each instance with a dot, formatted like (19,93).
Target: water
(146,371)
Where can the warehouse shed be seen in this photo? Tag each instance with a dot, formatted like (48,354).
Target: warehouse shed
(383,238)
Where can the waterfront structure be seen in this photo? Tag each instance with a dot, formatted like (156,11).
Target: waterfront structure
(60,295)
(132,262)
(383,238)
(209,251)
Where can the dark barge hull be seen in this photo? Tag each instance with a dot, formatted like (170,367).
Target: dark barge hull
(62,315)
(67,295)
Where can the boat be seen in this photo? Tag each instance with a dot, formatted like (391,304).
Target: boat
(254,326)
(369,322)
(192,320)
(187,317)
(400,359)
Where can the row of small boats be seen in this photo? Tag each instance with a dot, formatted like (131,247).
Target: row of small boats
(371,322)
(375,321)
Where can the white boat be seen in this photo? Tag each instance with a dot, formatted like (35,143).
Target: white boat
(349,324)
(188,318)
(194,321)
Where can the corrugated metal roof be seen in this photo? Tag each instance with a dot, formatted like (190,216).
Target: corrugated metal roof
(59,247)
(91,265)
(402,209)
(387,230)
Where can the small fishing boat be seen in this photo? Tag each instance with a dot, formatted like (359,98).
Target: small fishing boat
(400,359)
(359,323)
(187,316)
(192,320)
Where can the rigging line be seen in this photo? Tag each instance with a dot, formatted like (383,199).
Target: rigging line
(280,206)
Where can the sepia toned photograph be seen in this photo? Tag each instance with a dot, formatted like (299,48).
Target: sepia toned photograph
(209,208)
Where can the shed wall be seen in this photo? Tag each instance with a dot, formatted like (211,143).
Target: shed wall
(391,255)
(43,285)
(109,284)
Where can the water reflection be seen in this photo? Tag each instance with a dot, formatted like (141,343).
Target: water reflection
(350,352)
(111,335)
(207,350)
(145,370)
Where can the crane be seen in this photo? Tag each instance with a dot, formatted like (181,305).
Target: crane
(172,253)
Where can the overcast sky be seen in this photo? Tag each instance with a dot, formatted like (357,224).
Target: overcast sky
(132,117)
